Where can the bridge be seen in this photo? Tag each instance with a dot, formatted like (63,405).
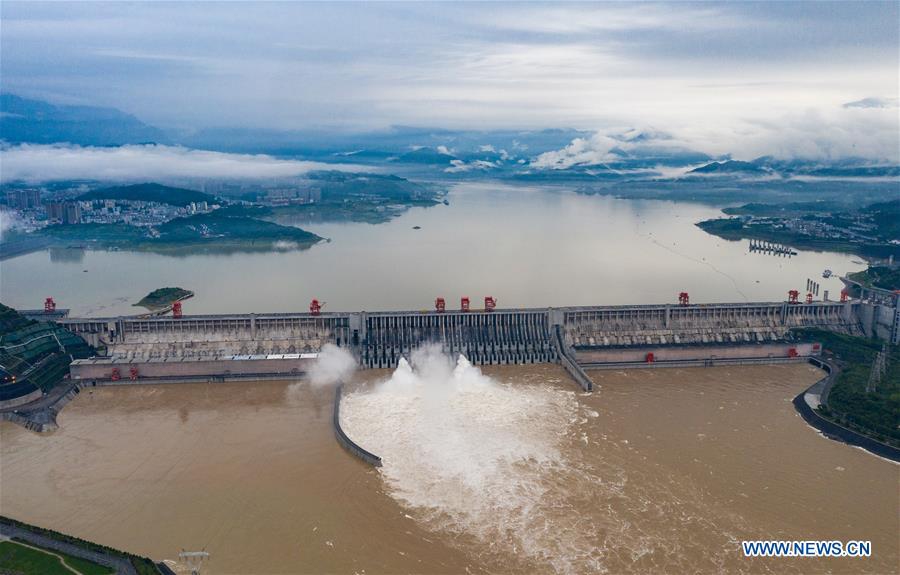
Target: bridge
(245,346)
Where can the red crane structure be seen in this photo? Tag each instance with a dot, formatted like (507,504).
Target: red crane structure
(793,296)
(464,304)
(684,298)
(440,305)
(315,308)
(49,305)
(489,303)
(176,310)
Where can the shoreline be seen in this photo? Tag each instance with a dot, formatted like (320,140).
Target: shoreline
(807,401)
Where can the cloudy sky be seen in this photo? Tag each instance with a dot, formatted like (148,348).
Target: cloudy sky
(806,79)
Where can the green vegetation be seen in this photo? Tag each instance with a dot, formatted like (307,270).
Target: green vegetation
(36,352)
(876,414)
(142,565)
(17,558)
(163,298)
(149,193)
(790,208)
(818,225)
(225,230)
(734,229)
(878,276)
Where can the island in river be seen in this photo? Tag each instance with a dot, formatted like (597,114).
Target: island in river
(163,298)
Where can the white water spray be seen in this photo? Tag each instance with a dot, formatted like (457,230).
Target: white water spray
(333,365)
(473,456)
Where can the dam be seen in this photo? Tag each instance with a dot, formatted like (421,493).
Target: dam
(254,346)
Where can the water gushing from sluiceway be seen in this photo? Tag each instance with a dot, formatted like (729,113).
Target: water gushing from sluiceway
(474,457)
(524,473)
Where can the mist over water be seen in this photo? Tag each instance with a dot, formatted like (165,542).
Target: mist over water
(332,366)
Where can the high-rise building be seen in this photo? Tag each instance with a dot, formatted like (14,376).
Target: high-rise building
(23,199)
(72,213)
(55,211)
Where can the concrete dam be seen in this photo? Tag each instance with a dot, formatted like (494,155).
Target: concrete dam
(252,346)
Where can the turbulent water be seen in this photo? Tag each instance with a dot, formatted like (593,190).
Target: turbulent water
(472,456)
(528,473)
(505,469)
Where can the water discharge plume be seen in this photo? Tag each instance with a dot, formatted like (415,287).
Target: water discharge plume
(333,365)
(471,455)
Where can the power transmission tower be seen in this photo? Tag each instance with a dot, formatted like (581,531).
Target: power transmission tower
(193,560)
(879,367)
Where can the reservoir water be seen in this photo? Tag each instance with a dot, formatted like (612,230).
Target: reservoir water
(528,247)
(659,471)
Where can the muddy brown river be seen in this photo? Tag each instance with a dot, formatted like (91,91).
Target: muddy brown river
(659,471)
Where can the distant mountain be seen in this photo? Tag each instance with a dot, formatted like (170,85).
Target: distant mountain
(339,186)
(728,167)
(149,193)
(426,156)
(38,122)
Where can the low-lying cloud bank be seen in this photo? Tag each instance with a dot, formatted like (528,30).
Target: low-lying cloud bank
(867,129)
(43,163)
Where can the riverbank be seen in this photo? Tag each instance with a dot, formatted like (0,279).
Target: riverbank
(122,563)
(809,403)
(733,229)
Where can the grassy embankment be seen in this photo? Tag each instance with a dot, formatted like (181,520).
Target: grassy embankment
(875,414)
(142,565)
(18,558)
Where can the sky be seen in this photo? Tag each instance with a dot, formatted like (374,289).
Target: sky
(803,79)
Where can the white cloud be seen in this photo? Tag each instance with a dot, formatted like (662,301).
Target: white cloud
(869,132)
(581,152)
(34,163)
(874,103)
(459,166)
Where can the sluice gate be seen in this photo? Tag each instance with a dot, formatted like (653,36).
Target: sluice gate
(485,338)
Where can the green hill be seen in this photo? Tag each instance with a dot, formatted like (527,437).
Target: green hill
(149,192)
(36,352)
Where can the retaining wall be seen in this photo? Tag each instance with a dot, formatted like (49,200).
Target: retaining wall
(172,369)
(802,403)
(342,437)
(662,354)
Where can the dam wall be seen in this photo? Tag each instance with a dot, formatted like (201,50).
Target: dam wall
(121,371)
(660,355)
(198,345)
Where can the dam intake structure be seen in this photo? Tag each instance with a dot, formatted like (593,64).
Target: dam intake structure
(284,345)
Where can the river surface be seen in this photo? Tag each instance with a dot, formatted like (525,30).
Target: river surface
(526,246)
(659,471)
